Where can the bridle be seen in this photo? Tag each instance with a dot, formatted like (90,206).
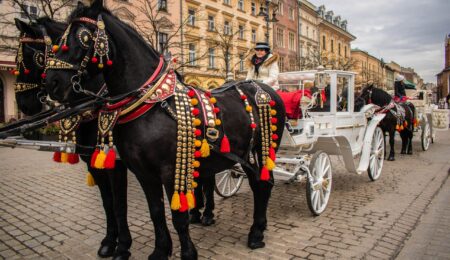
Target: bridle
(96,53)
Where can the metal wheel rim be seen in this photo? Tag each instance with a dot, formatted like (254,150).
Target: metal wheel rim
(426,137)
(377,154)
(227,184)
(320,183)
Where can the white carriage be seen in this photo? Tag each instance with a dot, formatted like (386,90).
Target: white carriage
(329,130)
(430,117)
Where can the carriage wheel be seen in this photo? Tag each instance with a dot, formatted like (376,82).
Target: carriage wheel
(376,155)
(318,185)
(426,136)
(229,181)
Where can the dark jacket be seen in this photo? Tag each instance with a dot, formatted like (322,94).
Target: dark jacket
(399,89)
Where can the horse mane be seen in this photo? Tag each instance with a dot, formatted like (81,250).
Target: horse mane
(54,29)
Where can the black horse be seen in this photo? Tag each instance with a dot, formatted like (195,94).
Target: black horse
(148,144)
(394,120)
(113,183)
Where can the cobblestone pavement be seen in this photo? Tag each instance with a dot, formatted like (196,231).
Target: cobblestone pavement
(47,212)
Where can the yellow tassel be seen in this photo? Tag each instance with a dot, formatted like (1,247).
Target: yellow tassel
(274,145)
(198,143)
(269,164)
(274,128)
(213,100)
(194,184)
(205,148)
(100,160)
(273,112)
(64,157)
(175,204)
(90,180)
(190,200)
(397,127)
(194,101)
(218,122)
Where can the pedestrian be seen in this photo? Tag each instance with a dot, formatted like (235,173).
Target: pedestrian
(263,66)
(399,89)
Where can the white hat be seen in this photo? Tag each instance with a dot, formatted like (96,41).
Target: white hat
(399,77)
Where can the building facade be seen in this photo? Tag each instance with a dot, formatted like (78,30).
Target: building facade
(443,78)
(369,69)
(309,51)
(334,40)
(285,32)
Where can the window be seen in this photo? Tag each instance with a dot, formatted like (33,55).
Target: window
(253,8)
(211,25)
(291,13)
(227,2)
(332,46)
(162,5)
(292,65)
(307,31)
(324,43)
(281,64)
(191,17)
(192,61)
(241,62)
(241,5)
(31,10)
(314,34)
(280,8)
(339,49)
(226,28)
(211,58)
(291,41)
(241,32)
(253,35)
(345,51)
(162,42)
(280,36)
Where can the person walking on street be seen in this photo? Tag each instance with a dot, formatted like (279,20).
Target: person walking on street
(263,66)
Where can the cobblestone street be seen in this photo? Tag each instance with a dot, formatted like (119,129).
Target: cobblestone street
(48,212)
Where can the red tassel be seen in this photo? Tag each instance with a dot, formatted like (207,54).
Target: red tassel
(57,156)
(184,203)
(225,145)
(73,158)
(110,161)
(265,176)
(272,154)
(94,157)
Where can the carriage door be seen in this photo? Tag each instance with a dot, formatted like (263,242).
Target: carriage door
(359,121)
(2,102)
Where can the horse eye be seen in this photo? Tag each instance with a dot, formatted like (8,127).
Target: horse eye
(39,59)
(84,37)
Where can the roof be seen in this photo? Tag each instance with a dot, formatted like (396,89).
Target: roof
(409,84)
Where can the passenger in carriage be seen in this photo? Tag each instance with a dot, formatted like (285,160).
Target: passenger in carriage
(399,88)
(263,66)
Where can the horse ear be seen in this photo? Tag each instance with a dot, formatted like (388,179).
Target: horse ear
(23,27)
(97,5)
(80,5)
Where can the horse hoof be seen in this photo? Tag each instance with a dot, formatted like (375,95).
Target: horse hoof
(208,221)
(122,256)
(410,152)
(391,158)
(256,244)
(402,152)
(107,250)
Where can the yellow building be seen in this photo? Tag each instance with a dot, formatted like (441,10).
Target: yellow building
(214,28)
(369,69)
(309,50)
(334,40)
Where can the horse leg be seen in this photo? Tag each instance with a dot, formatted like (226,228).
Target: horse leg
(391,144)
(405,141)
(410,141)
(154,194)
(261,194)
(118,181)
(180,221)
(208,189)
(109,242)
(195,217)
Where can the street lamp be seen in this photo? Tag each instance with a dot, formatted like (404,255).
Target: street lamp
(264,12)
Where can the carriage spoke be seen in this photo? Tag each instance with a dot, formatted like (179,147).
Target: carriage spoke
(224,177)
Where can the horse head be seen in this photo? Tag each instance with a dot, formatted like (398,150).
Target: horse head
(91,43)
(30,64)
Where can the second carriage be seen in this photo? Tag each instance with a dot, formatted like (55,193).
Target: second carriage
(325,126)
